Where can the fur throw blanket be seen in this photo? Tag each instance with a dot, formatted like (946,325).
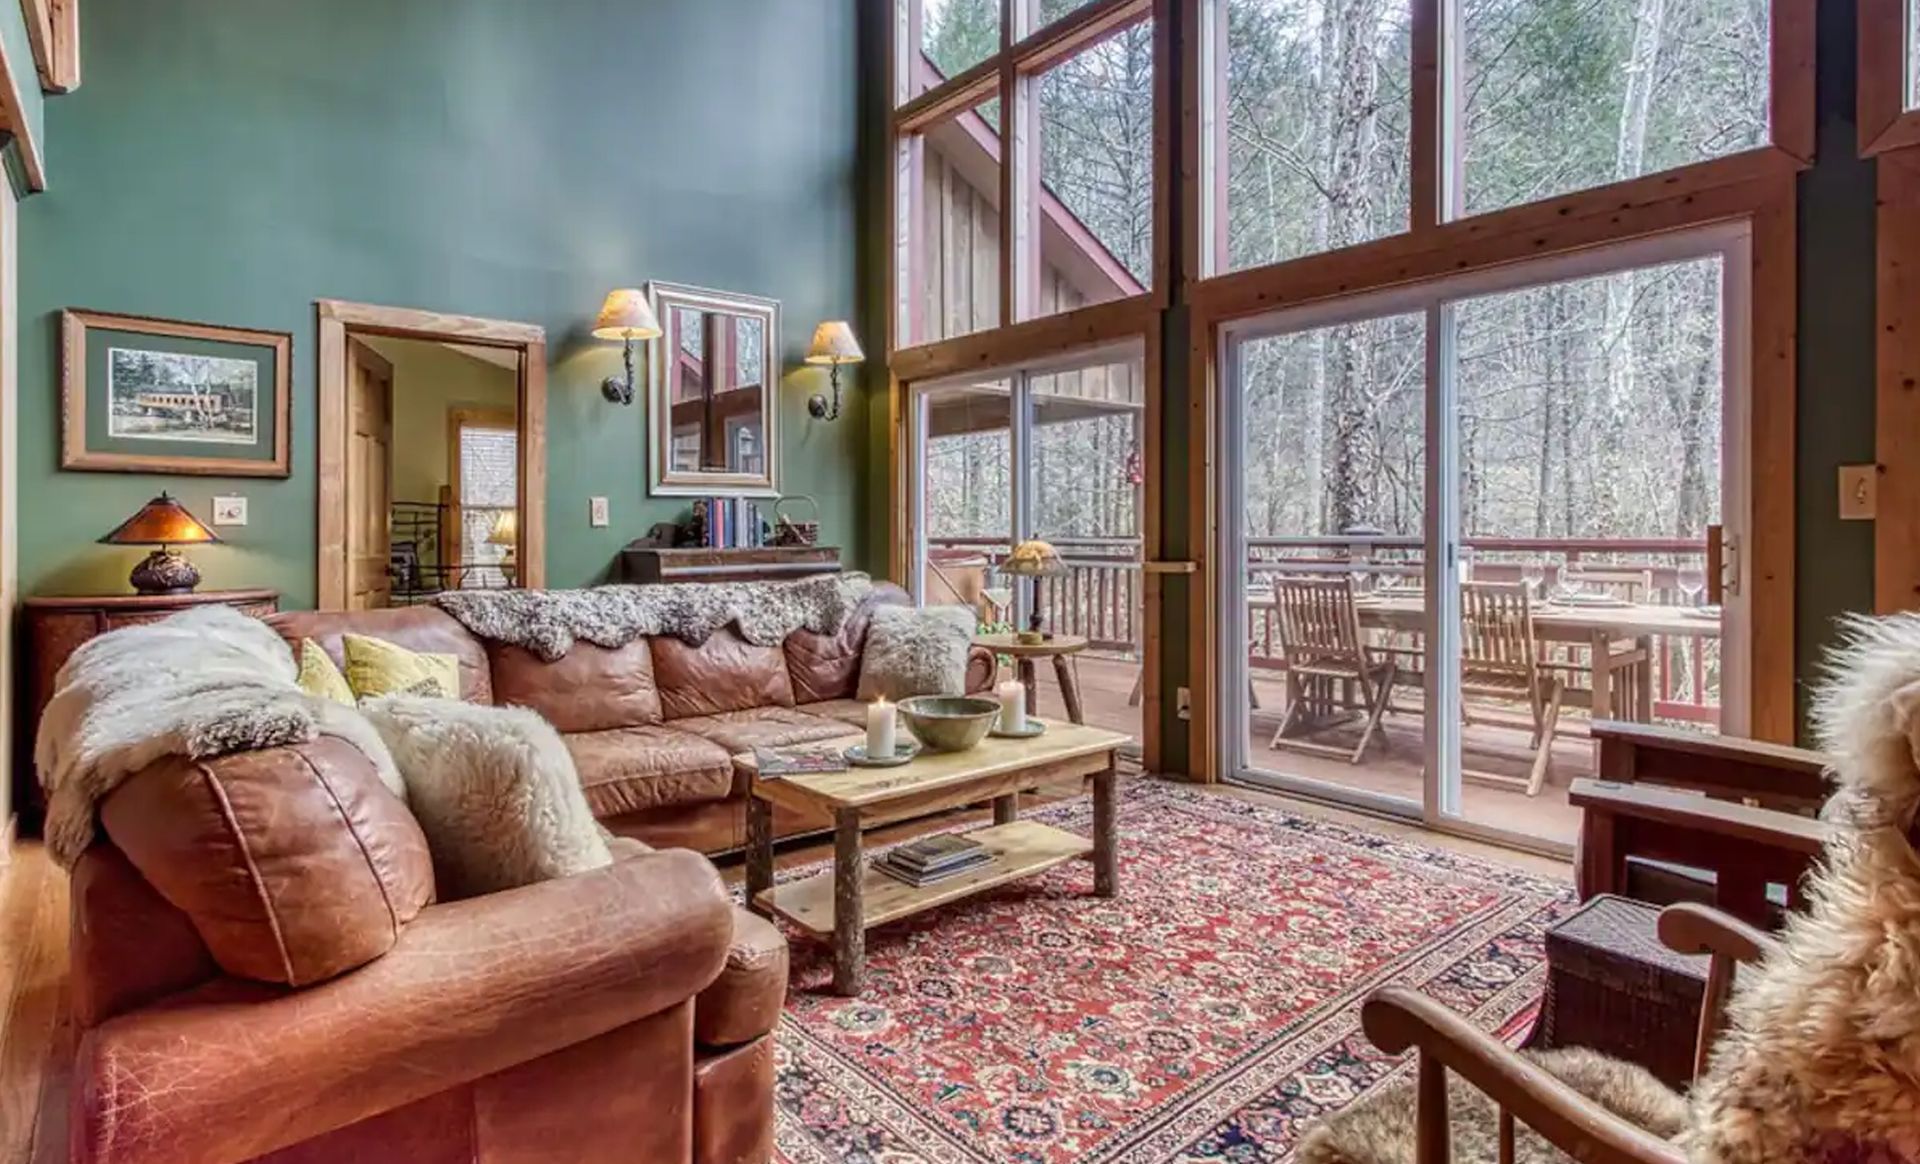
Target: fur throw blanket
(1820,1060)
(547,622)
(1380,1128)
(202,683)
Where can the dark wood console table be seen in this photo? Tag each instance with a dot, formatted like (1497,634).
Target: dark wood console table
(650,564)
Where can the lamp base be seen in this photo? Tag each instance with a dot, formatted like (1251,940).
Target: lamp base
(164,572)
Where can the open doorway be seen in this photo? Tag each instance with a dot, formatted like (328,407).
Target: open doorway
(432,455)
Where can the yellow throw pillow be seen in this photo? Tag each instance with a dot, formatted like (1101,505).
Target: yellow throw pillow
(377,667)
(319,676)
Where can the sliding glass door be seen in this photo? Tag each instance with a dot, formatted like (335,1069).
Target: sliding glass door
(1054,453)
(1471,518)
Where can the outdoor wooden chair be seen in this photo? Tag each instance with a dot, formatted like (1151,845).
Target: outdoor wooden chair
(1500,658)
(1397,1020)
(1329,664)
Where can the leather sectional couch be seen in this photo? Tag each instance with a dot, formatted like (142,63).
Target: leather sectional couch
(261,972)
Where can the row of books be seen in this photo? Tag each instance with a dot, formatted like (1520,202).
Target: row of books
(733,523)
(932,859)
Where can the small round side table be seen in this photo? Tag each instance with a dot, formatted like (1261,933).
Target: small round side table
(1059,648)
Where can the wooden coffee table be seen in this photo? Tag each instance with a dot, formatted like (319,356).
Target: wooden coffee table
(841,904)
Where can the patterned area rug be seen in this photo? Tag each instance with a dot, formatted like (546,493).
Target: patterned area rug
(1210,1013)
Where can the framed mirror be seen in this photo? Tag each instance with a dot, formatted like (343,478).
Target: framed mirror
(712,393)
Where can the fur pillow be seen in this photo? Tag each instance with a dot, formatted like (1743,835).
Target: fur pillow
(916,652)
(494,790)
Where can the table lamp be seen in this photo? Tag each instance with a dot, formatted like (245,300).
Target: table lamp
(1035,559)
(506,532)
(162,522)
(625,316)
(833,346)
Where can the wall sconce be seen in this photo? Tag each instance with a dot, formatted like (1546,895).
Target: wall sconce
(625,316)
(833,345)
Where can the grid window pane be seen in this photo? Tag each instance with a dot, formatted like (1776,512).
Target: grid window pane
(1315,144)
(1566,95)
(1095,204)
(955,35)
(489,495)
(952,280)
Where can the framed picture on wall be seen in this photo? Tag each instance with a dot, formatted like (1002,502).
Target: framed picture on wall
(144,395)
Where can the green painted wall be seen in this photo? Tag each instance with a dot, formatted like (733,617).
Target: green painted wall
(231,163)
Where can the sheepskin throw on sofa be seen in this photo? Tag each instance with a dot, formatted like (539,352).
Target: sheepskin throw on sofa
(203,683)
(547,622)
(494,790)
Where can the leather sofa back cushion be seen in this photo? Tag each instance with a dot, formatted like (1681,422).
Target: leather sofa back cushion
(295,864)
(590,689)
(828,666)
(424,629)
(726,673)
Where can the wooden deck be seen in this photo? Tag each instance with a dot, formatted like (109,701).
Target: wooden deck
(1391,766)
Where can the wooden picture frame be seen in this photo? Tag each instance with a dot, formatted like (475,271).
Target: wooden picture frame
(241,428)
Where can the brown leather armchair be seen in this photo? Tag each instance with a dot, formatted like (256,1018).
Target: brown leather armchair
(261,973)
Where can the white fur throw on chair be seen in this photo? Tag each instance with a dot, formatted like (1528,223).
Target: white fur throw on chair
(494,790)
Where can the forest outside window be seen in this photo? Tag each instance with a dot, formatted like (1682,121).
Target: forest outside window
(954,36)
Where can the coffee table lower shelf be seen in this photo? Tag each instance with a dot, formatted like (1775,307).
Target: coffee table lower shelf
(1020,849)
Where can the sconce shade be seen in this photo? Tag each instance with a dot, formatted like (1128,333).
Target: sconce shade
(506,529)
(1035,559)
(160,522)
(833,343)
(626,315)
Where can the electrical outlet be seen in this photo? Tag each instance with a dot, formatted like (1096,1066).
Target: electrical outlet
(230,510)
(1183,702)
(597,512)
(1859,492)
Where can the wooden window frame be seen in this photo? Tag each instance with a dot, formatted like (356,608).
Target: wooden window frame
(1885,122)
(340,319)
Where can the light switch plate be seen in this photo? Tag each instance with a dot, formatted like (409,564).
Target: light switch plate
(1859,492)
(230,511)
(597,512)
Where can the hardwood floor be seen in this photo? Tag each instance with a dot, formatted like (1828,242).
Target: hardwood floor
(36,1040)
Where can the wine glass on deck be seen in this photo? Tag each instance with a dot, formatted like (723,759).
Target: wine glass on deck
(1533,572)
(1573,578)
(1692,580)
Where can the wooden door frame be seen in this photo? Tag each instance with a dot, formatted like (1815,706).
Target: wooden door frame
(338,320)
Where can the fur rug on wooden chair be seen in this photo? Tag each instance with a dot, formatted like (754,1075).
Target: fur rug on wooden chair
(1380,1129)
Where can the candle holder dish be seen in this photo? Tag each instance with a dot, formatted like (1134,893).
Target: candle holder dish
(1034,727)
(949,723)
(903,752)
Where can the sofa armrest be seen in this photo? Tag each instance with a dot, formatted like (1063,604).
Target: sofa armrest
(233,1069)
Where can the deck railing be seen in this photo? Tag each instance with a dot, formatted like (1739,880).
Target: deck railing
(1100,596)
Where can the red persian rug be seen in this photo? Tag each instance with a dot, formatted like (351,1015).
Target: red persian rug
(1210,1013)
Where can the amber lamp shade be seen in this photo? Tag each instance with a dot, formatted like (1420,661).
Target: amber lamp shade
(162,522)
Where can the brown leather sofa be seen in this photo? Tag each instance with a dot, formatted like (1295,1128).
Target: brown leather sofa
(653,726)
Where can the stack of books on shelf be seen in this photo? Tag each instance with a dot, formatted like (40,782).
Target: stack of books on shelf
(733,523)
(931,859)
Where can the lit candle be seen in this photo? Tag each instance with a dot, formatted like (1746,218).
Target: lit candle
(1013,706)
(880,729)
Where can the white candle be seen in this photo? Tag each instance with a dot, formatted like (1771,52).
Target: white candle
(880,729)
(1013,706)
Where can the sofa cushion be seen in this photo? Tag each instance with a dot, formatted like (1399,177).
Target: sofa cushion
(725,673)
(851,712)
(417,628)
(295,864)
(745,1001)
(762,727)
(589,689)
(828,666)
(629,769)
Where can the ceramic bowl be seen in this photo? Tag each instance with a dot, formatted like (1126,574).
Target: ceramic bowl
(949,723)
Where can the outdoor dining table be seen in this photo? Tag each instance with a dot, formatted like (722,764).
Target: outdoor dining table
(1619,637)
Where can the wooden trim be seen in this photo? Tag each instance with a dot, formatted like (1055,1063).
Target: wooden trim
(1202,521)
(411,323)
(1885,122)
(53,29)
(1023,343)
(1791,60)
(1152,538)
(74,325)
(338,320)
(1773,341)
(1896,535)
(1428,137)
